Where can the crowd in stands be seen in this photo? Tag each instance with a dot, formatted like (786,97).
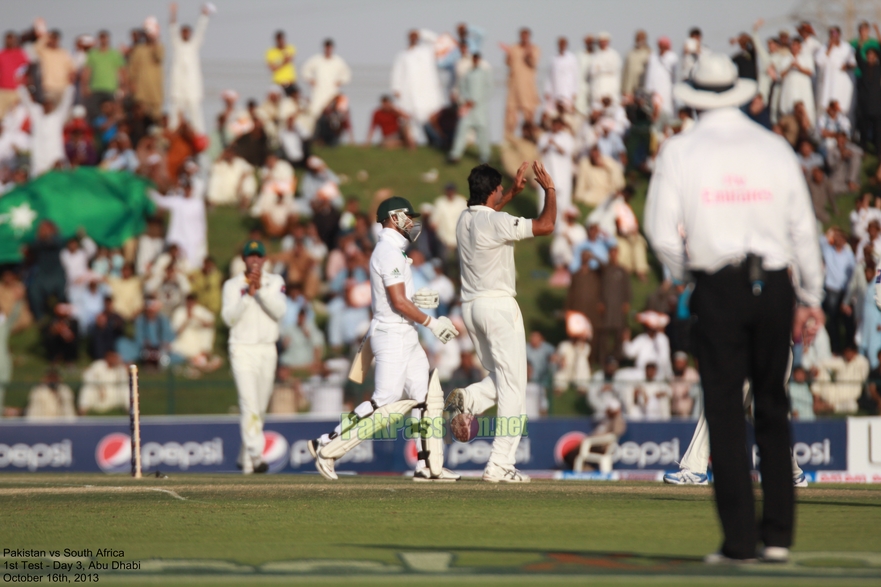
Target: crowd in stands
(596,120)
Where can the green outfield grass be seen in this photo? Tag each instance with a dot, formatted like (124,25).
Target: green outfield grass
(199,529)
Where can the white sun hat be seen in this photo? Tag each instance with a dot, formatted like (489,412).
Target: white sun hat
(715,84)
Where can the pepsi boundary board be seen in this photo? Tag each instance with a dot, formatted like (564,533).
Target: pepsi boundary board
(211,444)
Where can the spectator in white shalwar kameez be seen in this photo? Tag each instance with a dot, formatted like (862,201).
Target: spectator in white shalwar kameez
(562,83)
(797,72)
(582,103)
(47,130)
(652,346)
(187,226)
(659,78)
(185,86)
(556,148)
(415,79)
(605,72)
(834,63)
(326,73)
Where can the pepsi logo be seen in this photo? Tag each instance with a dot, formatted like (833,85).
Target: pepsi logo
(114,453)
(571,441)
(275,450)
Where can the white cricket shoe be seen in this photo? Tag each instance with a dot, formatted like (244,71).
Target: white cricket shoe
(495,474)
(325,467)
(686,477)
(799,480)
(424,476)
(774,554)
(717,558)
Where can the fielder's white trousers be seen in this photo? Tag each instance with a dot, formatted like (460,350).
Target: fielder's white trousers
(401,364)
(496,329)
(253,368)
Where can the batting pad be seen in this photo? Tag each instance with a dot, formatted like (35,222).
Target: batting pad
(363,429)
(434,412)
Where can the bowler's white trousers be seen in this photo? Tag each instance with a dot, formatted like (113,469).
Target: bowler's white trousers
(253,368)
(495,325)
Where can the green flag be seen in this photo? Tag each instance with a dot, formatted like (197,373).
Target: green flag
(111,206)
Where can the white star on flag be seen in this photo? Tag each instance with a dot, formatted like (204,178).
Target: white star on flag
(22,217)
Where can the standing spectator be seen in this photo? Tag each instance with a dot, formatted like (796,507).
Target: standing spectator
(615,303)
(56,66)
(326,73)
(12,60)
(61,336)
(187,225)
(839,383)
(582,101)
(103,75)
(683,386)
(745,59)
(556,148)
(48,284)
(145,72)
(869,100)
(105,386)
(861,46)
(660,76)
(475,89)
(562,83)
(51,399)
(47,130)
(585,290)
(833,65)
(652,346)
(280,60)
(605,72)
(635,65)
(185,85)
(193,326)
(106,330)
(839,260)
(522,61)
(797,72)
(415,80)
(540,358)
(821,194)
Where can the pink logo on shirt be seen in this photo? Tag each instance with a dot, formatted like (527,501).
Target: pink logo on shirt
(735,191)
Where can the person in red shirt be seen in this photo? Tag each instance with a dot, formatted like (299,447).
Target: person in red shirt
(388,119)
(13,62)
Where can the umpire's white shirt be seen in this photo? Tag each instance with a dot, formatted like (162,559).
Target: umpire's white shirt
(486,248)
(728,188)
(388,266)
(253,320)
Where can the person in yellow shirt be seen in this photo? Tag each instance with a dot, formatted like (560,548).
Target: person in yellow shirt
(280,60)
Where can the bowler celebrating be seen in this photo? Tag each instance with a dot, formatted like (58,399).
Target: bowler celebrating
(253,304)
(486,238)
(402,378)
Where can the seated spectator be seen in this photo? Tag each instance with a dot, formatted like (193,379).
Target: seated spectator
(839,382)
(153,337)
(539,358)
(392,123)
(808,158)
(12,290)
(615,302)
(609,141)
(61,336)
(801,400)
(173,290)
(334,122)
(845,160)
(862,214)
(88,302)
(796,127)
(172,259)
(302,345)
(48,284)
(232,181)
(349,311)
(51,399)
(106,124)
(821,195)
(831,123)
(616,217)
(467,373)
(684,386)
(75,259)
(207,283)
(320,180)
(598,177)
(150,245)
(596,245)
(107,328)
(653,396)
(120,156)
(652,346)
(603,385)
(273,207)
(868,248)
(105,386)
(441,128)
(569,236)
(79,150)
(127,293)
(193,327)
(573,363)
(299,266)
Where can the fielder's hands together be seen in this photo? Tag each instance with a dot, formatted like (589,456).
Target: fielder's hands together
(443,329)
(426,299)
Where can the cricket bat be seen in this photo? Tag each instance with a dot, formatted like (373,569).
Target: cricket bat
(362,361)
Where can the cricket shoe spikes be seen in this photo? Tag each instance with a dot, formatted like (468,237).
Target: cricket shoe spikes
(455,403)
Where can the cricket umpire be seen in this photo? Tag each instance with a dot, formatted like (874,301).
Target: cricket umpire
(729,203)
(253,304)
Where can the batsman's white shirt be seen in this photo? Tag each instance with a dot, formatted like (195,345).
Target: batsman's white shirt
(253,323)
(491,314)
(401,364)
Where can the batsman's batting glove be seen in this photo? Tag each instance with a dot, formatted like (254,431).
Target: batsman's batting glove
(426,299)
(442,328)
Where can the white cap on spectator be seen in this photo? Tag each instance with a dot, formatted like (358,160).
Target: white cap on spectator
(230,95)
(578,325)
(314,162)
(652,319)
(151,26)
(275,90)
(78,111)
(604,36)
(87,40)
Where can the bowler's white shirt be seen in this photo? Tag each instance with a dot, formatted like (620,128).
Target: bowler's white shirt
(486,251)
(389,266)
(727,188)
(253,320)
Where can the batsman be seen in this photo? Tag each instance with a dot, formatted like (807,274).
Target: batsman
(402,372)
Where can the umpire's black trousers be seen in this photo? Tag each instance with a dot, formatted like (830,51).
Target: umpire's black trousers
(739,335)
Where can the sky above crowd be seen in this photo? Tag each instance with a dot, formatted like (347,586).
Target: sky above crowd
(369,33)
